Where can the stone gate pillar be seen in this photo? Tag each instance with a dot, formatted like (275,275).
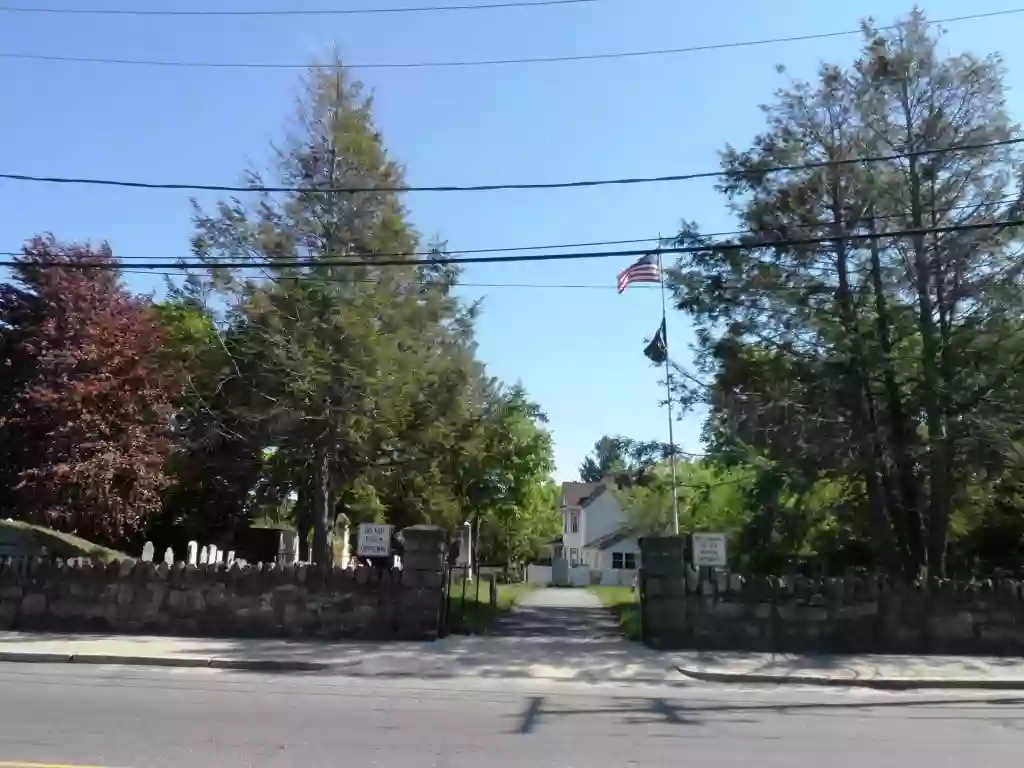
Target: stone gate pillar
(423,564)
(662,590)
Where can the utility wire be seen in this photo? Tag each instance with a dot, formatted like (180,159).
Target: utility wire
(184,266)
(70,180)
(183,271)
(631,241)
(160,12)
(603,243)
(370,261)
(490,62)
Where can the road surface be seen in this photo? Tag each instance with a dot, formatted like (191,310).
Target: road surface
(128,716)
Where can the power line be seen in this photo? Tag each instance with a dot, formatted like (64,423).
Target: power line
(622,181)
(456,253)
(134,270)
(490,62)
(628,241)
(447,260)
(505,249)
(163,12)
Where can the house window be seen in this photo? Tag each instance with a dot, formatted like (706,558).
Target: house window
(575,525)
(624,560)
(574,557)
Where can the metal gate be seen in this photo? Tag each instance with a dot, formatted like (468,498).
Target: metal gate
(453,602)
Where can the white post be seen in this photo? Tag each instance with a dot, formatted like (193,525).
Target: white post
(193,552)
(466,549)
(668,402)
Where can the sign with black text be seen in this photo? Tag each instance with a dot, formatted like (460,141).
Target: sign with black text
(709,550)
(374,540)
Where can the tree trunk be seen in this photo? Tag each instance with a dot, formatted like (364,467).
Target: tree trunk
(906,512)
(303,522)
(945,452)
(322,508)
(938,498)
(865,416)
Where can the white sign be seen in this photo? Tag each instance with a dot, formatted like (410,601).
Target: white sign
(709,550)
(374,540)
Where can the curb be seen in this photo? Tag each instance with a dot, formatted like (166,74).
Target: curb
(878,683)
(285,666)
(252,665)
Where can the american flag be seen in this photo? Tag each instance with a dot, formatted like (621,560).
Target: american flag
(644,270)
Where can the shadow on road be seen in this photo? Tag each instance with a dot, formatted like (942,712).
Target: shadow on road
(660,711)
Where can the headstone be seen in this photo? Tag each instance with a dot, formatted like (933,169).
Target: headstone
(204,556)
(345,553)
(193,552)
(147,552)
(220,558)
(169,556)
(211,554)
(231,558)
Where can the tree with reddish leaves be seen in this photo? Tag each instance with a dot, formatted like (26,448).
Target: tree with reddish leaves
(85,398)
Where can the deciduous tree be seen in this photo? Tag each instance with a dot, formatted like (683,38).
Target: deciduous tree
(86,403)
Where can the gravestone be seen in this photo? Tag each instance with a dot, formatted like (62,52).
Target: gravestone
(204,556)
(169,556)
(193,552)
(147,552)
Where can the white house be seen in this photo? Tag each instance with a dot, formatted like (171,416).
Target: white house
(596,545)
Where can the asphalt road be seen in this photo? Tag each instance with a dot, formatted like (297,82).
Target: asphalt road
(117,716)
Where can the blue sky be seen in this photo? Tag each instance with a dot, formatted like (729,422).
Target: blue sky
(577,350)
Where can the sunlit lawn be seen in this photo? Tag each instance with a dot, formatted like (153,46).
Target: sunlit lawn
(474,614)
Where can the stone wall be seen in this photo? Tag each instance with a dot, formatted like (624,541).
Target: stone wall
(681,608)
(214,600)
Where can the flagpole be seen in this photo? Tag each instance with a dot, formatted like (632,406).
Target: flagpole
(668,400)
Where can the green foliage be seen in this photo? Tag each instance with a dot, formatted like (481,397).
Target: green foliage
(363,378)
(711,498)
(469,604)
(872,380)
(304,395)
(623,459)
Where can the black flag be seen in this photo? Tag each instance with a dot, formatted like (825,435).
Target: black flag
(657,350)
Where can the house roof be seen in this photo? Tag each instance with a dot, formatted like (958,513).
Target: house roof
(609,539)
(577,494)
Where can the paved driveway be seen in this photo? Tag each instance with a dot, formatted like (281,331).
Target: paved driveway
(560,597)
(558,612)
